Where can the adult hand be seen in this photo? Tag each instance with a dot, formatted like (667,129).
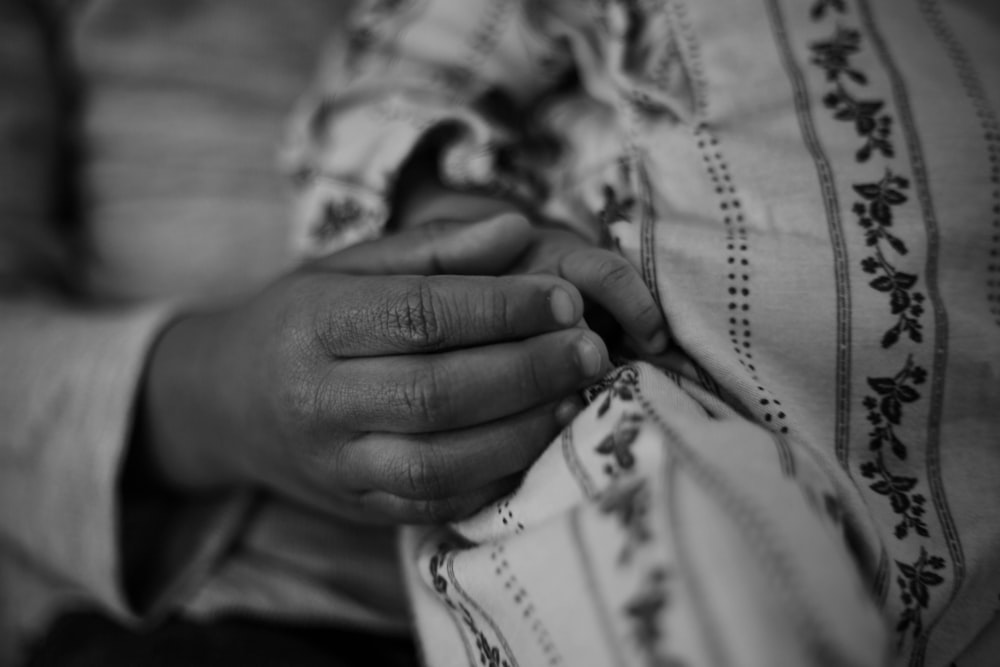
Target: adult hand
(399,398)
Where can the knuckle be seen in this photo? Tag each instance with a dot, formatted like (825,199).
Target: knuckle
(327,332)
(615,274)
(496,312)
(421,476)
(414,317)
(297,398)
(296,403)
(306,327)
(649,311)
(319,326)
(311,404)
(421,397)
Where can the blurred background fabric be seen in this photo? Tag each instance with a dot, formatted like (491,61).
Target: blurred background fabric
(185,106)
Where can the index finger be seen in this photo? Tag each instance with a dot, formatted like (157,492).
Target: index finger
(382,315)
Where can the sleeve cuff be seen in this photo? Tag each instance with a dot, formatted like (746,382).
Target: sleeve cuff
(67,409)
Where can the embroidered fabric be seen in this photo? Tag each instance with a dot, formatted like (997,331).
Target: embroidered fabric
(805,188)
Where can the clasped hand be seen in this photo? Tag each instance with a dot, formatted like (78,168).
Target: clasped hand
(395,398)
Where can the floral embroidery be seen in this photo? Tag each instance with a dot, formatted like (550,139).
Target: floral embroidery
(874,209)
(437,560)
(629,503)
(620,384)
(833,56)
(909,507)
(821,7)
(489,654)
(875,128)
(615,209)
(875,217)
(885,410)
(337,216)
(870,122)
(618,444)
(618,203)
(915,580)
(879,198)
(645,614)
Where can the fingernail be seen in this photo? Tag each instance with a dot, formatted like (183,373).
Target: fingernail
(563,309)
(657,342)
(568,410)
(588,357)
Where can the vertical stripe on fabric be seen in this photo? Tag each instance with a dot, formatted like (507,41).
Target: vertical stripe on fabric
(472,603)
(520,595)
(711,636)
(691,59)
(880,587)
(824,171)
(647,244)
(940,345)
(973,86)
(575,466)
(707,381)
(785,457)
(764,408)
(752,525)
(451,611)
(591,578)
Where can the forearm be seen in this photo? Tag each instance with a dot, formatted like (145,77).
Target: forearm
(176,441)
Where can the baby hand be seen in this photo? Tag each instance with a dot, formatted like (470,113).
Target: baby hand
(605,278)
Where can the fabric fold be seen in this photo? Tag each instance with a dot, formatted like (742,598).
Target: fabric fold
(67,409)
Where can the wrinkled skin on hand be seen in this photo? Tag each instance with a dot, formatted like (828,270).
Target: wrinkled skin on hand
(606,278)
(365,386)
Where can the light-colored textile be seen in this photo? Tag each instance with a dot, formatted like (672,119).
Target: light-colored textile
(661,528)
(65,419)
(811,190)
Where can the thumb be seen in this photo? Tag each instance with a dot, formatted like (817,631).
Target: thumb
(489,247)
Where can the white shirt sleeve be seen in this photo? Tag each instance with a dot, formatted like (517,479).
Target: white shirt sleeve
(70,379)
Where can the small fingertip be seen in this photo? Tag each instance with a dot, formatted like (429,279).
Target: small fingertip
(658,342)
(567,410)
(563,307)
(589,357)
